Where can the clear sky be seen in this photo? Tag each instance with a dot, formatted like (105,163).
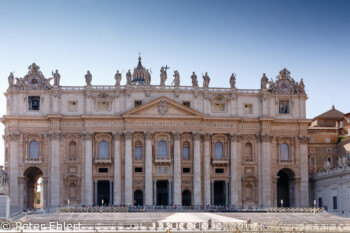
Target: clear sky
(249,38)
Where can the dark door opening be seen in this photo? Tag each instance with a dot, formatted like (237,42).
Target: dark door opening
(103,192)
(162,192)
(138,198)
(186,198)
(219,193)
(283,189)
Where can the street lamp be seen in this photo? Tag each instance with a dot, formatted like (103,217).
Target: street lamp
(68,205)
(102,202)
(282,203)
(314,206)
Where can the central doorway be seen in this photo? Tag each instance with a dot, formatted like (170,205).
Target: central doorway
(219,193)
(138,198)
(33,190)
(286,188)
(103,192)
(186,198)
(162,192)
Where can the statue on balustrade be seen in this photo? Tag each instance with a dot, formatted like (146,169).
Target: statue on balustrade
(194,79)
(264,81)
(147,77)
(163,76)
(118,78)
(233,81)
(88,78)
(128,78)
(11,78)
(56,77)
(176,80)
(206,80)
(3,181)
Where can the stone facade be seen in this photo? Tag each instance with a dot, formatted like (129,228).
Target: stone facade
(142,144)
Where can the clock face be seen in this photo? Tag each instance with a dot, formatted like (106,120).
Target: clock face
(284,86)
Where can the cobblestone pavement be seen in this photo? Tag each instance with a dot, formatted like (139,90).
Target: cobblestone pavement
(321,218)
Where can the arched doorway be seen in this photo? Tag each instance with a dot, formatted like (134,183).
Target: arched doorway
(33,192)
(138,198)
(286,188)
(186,198)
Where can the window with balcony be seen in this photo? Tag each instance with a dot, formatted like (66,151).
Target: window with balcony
(284,152)
(103,149)
(34,150)
(218,150)
(186,151)
(162,149)
(138,150)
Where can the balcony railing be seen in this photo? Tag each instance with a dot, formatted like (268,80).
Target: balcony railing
(162,159)
(248,159)
(103,160)
(72,158)
(33,160)
(283,161)
(138,158)
(221,160)
(186,158)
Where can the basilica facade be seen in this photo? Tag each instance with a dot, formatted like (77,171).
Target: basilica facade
(144,144)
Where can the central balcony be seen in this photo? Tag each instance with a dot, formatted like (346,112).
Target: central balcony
(102,160)
(33,160)
(162,159)
(220,161)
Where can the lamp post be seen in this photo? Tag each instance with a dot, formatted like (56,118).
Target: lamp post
(282,203)
(314,206)
(102,202)
(68,204)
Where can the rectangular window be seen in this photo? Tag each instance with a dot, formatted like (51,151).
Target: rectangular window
(219,107)
(186,170)
(335,203)
(138,169)
(187,103)
(329,150)
(34,103)
(137,103)
(320,204)
(72,106)
(103,170)
(328,140)
(219,170)
(186,152)
(138,152)
(311,139)
(103,106)
(312,161)
(248,109)
(341,124)
(283,107)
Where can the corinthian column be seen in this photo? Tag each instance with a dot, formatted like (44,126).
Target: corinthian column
(117,185)
(304,173)
(87,136)
(197,197)
(177,169)
(148,169)
(13,169)
(55,137)
(206,169)
(266,170)
(128,169)
(235,181)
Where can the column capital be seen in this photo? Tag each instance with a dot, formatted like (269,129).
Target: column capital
(177,135)
(128,134)
(14,136)
(149,135)
(207,136)
(303,139)
(87,136)
(117,135)
(196,135)
(55,135)
(235,137)
(266,137)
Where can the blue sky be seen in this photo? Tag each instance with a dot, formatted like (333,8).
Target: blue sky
(249,38)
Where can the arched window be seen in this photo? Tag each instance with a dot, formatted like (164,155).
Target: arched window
(72,191)
(138,150)
(248,151)
(103,149)
(72,149)
(34,149)
(162,148)
(284,151)
(218,150)
(186,150)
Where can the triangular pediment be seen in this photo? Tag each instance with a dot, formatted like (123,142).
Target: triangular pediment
(163,107)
